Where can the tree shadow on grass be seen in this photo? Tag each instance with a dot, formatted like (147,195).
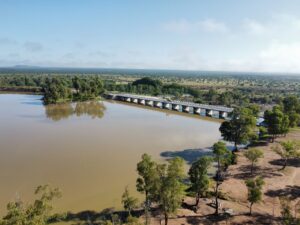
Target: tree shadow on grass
(226,219)
(208,219)
(90,217)
(245,172)
(290,162)
(292,192)
(189,155)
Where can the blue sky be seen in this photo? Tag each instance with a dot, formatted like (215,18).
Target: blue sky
(234,35)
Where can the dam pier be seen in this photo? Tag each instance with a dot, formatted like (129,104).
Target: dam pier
(220,112)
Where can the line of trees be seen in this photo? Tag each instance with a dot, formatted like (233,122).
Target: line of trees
(165,185)
(66,89)
(87,86)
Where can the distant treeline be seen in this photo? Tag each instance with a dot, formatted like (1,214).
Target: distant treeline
(226,90)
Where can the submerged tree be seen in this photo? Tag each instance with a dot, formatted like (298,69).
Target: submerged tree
(199,177)
(253,155)
(254,191)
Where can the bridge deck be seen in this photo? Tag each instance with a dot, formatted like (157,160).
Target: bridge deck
(189,104)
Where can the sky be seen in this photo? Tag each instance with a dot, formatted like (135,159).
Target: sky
(217,35)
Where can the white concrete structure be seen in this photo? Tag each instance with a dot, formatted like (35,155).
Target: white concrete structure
(209,112)
(176,107)
(149,102)
(142,101)
(166,105)
(223,115)
(199,109)
(158,104)
(135,100)
(185,109)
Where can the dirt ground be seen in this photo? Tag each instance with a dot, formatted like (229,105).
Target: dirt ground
(277,183)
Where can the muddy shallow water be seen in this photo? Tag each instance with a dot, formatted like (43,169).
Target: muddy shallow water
(88,150)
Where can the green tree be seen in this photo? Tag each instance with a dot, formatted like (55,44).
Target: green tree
(291,107)
(37,213)
(129,202)
(294,119)
(146,182)
(287,149)
(240,128)
(254,191)
(132,221)
(253,155)
(286,212)
(199,177)
(255,109)
(221,156)
(291,104)
(171,188)
(277,122)
(56,91)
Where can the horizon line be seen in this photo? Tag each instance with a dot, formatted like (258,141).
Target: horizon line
(32,67)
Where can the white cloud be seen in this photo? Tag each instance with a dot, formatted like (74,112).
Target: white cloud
(181,26)
(185,26)
(254,27)
(212,26)
(282,56)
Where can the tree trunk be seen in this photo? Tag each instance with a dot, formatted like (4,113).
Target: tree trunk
(250,208)
(284,163)
(252,165)
(147,218)
(216,199)
(147,209)
(217,186)
(166,219)
(197,199)
(235,146)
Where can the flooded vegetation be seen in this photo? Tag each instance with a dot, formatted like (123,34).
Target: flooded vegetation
(88,149)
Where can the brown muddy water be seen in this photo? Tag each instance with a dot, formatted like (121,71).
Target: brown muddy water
(88,150)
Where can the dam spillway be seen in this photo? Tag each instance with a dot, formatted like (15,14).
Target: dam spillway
(215,111)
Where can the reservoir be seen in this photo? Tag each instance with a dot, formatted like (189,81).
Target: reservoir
(89,150)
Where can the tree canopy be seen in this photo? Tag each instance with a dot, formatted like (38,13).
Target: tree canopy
(199,177)
(253,155)
(277,122)
(240,128)
(254,191)
(36,213)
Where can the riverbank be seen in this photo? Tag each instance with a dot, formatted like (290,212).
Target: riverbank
(22,90)
(277,183)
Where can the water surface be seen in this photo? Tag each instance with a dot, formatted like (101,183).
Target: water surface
(88,150)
